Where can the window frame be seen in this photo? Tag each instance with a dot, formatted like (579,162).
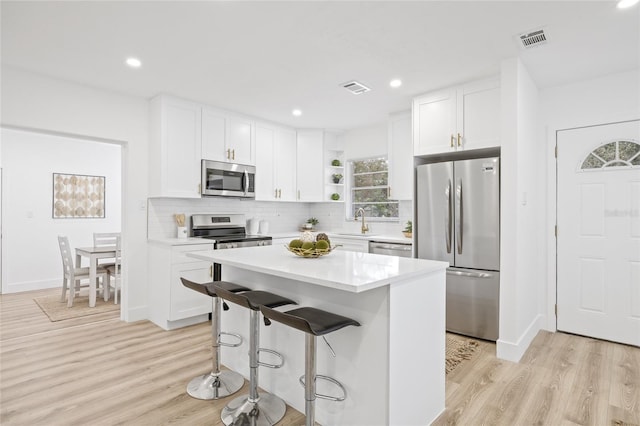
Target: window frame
(349,186)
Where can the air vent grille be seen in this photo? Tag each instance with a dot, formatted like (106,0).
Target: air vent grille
(533,38)
(355,87)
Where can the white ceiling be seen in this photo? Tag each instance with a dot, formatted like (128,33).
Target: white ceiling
(266,58)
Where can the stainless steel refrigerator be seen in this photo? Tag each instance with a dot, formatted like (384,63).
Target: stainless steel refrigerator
(458,221)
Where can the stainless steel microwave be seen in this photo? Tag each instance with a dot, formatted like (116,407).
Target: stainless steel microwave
(228,179)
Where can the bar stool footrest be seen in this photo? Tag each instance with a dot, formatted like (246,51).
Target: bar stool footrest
(332,380)
(230,345)
(272,352)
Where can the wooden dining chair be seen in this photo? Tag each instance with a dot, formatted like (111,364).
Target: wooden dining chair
(106,239)
(114,271)
(72,275)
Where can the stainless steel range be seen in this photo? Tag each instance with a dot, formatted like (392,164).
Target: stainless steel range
(226,230)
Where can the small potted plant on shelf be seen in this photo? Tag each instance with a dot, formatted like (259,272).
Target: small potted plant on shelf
(335,196)
(337,177)
(408,229)
(336,163)
(311,223)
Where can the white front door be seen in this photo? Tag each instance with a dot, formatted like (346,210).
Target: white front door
(598,243)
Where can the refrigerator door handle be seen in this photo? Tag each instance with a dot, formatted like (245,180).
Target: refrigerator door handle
(459,212)
(447,224)
(469,274)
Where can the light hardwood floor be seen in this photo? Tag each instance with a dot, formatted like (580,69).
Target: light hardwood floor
(101,371)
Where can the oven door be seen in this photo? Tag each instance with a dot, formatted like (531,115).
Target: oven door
(227,179)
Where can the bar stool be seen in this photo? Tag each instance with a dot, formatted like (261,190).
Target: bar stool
(314,322)
(255,409)
(217,384)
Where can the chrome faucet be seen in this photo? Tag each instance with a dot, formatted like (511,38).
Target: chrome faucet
(364,228)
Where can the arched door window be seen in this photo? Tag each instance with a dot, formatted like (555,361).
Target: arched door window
(612,155)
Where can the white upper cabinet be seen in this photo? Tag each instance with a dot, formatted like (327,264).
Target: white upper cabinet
(459,118)
(226,138)
(275,163)
(175,151)
(309,162)
(400,155)
(284,159)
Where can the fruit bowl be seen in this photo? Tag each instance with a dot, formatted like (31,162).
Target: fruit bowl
(309,253)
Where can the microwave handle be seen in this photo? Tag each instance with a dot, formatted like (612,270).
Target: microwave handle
(246,182)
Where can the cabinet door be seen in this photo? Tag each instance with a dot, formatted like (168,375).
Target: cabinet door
(434,121)
(186,303)
(479,115)
(213,136)
(265,185)
(238,141)
(348,244)
(309,165)
(284,159)
(400,156)
(180,168)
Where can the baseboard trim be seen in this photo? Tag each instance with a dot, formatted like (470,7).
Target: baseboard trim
(32,285)
(513,351)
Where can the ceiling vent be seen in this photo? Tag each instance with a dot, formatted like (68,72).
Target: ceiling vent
(355,87)
(533,38)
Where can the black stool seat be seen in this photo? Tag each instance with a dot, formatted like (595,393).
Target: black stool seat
(310,320)
(253,299)
(209,288)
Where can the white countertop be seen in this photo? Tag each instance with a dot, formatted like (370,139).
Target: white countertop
(385,238)
(343,270)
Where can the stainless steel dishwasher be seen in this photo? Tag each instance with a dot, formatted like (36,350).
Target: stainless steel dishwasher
(390,249)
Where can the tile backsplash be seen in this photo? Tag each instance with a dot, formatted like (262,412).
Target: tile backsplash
(282,217)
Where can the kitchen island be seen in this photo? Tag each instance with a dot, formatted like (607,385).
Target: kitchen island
(392,366)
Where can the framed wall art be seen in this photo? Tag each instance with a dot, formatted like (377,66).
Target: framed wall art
(78,196)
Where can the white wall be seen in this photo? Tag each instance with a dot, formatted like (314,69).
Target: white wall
(32,101)
(30,233)
(365,142)
(521,274)
(607,99)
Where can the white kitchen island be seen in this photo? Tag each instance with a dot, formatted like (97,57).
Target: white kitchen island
(393,366)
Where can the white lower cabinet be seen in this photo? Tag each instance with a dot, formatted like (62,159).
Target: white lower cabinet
(171,304)
(350,244)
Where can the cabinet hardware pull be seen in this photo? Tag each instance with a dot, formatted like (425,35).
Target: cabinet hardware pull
(276,194)
(233,152)
(229,154)
(211,271)
(298,194)
(452,140)
(459,139)
(279,193)
(199,188)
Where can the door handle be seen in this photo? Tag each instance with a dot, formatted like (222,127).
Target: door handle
(447,219)
(469,274)
(459,218)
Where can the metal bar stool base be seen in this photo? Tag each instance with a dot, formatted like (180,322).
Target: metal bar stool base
(267,411)
(212,386)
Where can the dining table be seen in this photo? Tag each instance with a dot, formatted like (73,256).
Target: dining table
(94,254)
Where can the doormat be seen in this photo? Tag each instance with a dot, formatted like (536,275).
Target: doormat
(458,350)
(58,311)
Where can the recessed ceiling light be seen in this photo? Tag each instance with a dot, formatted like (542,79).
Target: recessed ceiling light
(296,112)
(623,4)
(395,82)
(133,62)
